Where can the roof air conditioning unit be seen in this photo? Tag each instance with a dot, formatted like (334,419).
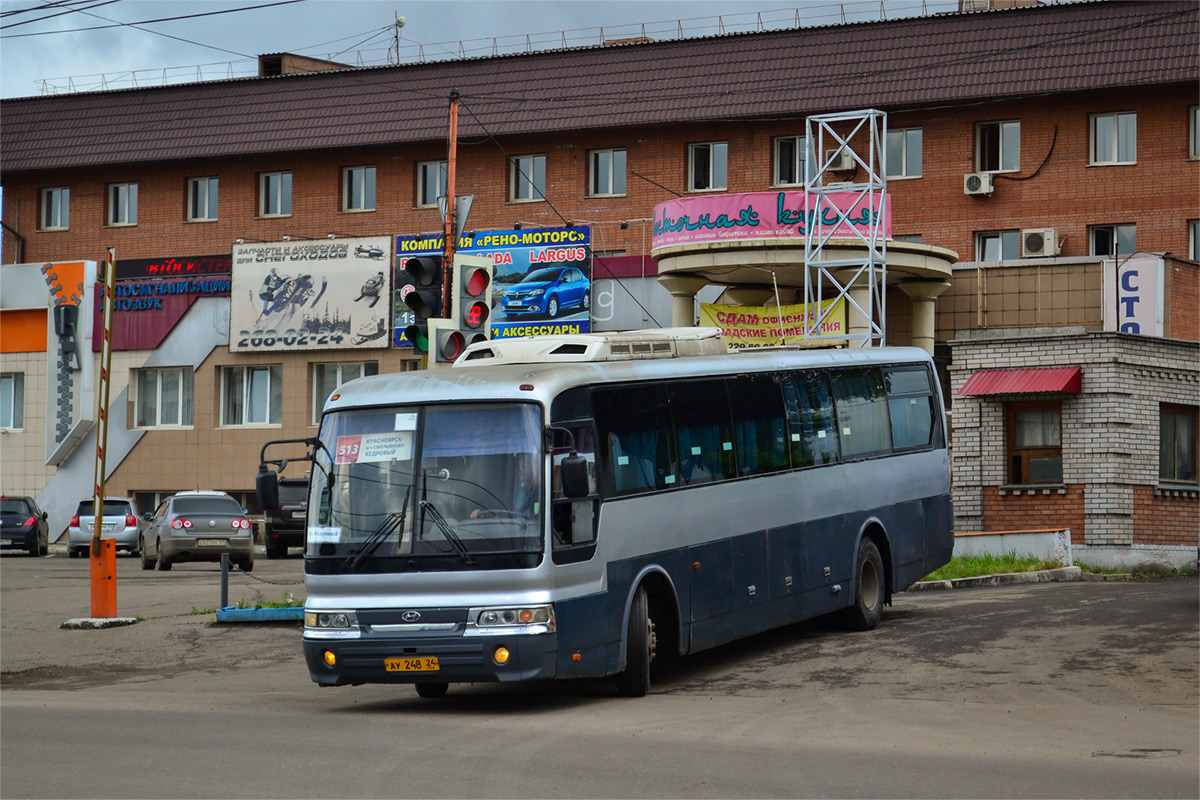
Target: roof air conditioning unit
(839,160)
(977,183)
(1039,243)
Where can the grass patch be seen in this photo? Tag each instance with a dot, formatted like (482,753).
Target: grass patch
(974,566)
(203,610)
(287,600)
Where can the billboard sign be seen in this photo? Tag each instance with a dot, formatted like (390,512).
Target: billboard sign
(316,295)
(771,326)
(542,283)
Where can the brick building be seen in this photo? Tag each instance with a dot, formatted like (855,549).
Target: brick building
(1030,150)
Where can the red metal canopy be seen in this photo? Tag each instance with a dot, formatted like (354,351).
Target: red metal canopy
(1023,381)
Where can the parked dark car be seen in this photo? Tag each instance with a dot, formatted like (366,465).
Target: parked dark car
(23,526)
(285,526)
(198,526)
(548,291)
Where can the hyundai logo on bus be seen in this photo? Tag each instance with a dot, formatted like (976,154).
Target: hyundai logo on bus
(410,616)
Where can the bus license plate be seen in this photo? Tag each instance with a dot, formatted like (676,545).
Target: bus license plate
(211,542)
(424,664)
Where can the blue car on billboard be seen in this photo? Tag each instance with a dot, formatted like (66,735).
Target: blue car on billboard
(548,291)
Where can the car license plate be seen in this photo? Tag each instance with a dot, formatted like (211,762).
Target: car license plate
(422,664)
(110,526)
(212,542)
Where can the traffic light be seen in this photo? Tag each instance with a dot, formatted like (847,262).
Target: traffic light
(446,341)
(423,297)
(471,297)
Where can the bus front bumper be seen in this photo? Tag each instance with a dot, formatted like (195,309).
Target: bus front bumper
(441,659)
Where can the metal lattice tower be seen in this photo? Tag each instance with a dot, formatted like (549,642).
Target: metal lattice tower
(860,281)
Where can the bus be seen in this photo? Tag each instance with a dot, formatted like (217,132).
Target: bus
(599,505)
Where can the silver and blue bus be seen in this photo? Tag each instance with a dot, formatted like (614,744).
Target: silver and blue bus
(600,505)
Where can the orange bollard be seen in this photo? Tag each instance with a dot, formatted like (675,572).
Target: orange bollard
(104,579)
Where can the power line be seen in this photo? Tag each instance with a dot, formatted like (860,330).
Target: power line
(51,7)
(116,24)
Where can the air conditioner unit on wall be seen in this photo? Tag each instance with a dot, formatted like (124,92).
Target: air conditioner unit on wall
(1039,243)
(839,160)
(977,183)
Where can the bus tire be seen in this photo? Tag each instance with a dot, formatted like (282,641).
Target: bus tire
(432,690)
(869,590)
(634,680)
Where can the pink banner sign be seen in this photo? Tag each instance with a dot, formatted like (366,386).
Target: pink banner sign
(762,215)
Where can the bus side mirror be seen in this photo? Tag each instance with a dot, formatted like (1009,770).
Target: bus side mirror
(266,486)
(573,470)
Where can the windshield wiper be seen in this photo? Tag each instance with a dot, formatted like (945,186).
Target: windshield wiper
(390,523)
(443,526)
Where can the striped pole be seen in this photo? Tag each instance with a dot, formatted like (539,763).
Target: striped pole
(104,577)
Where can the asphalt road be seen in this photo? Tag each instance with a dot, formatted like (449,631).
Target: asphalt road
(1041,690)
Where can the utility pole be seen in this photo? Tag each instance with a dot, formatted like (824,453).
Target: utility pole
(451,229)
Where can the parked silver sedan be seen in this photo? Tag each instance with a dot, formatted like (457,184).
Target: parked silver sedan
(198,526)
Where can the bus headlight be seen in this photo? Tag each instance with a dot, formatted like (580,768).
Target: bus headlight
(330,624)
(519,620)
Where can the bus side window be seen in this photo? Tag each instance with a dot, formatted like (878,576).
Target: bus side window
(704,434)
(862,411)
(635,431)
(910,406)
(756,403)
(812,428)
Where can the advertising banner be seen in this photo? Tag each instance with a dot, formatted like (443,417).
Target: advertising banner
(172,266)
(759,326)
(318,295)
(542,283)
(759,215)
(1134,292)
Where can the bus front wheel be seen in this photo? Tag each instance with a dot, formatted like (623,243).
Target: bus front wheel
(869,587)
(634,681)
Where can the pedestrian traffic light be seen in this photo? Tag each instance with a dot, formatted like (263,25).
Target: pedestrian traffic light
(423,297)
(446,341)
(471,297)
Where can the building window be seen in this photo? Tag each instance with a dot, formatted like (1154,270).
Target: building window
(1114,138)
(432,180)
(997,245)
(1177,444)
(909,237)
(1194,239)
(275,194)
(327,377)
(1035,442)
(122,203)
(1113,240)
(998,146)
(527,179)
(164,397)
(904,153)
(1194,131)
(792,161)
(608,173)
(358,189)
(12,400)
(202,199)
(252,395)
(707,166)
(56,208)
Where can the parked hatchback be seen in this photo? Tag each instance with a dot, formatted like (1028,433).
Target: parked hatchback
(120,522)
(198,526)
(23,526)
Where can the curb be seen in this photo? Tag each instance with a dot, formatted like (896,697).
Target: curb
(1040,576)
(232,614)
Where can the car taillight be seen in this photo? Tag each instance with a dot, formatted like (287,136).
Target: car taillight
(181,523)
(30,521)
(130,521)
(75,521)
(244,524)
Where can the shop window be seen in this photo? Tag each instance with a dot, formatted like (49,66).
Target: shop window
(707,166)
(1178,440)
(1034,435)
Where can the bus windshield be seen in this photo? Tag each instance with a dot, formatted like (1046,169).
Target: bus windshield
(427,487)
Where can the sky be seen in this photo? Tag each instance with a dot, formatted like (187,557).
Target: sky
(44,49)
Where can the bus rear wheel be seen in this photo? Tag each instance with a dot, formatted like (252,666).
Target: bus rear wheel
(634,681)
(869,588)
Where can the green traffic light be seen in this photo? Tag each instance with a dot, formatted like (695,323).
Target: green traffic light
(419,336)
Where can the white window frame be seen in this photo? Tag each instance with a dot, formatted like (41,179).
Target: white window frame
(1118,126)
(184,405)
(441,182)
(202,199)
(527,178)
(603,167)
(907,165)
(1194,132)
(800,163)
(122,204)
(1194,239)
(1114,232)
(358,189)
(1005,131)
(56,208)
(12,401)
(272,412)
(1013,240)
(364,368)
(707,151)
(275,194)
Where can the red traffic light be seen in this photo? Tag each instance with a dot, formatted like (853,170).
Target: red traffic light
(450,345)
(476,314)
